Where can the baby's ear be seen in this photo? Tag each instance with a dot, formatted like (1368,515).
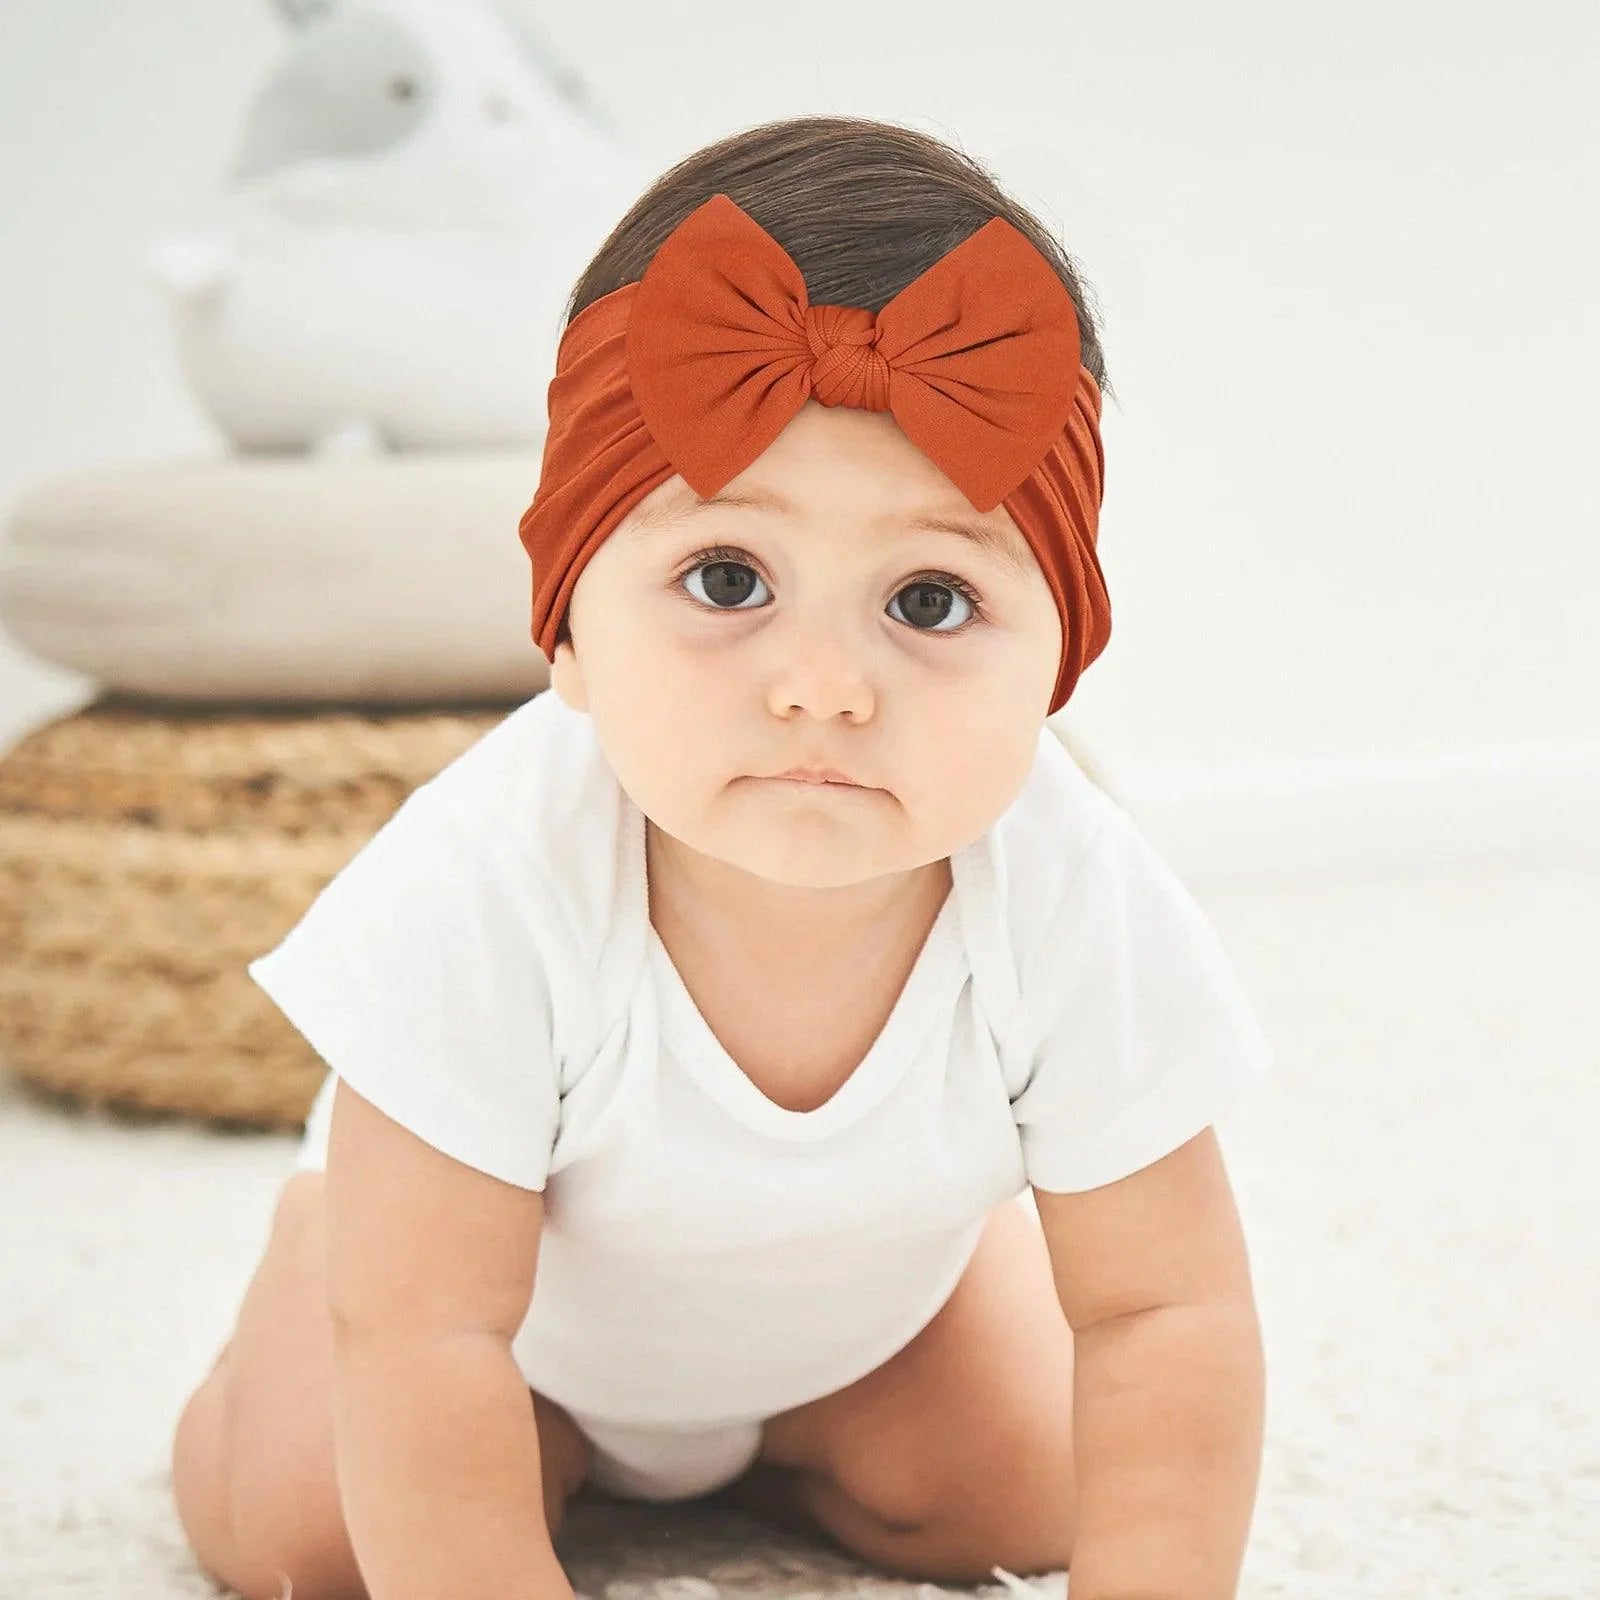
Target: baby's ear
(566,677)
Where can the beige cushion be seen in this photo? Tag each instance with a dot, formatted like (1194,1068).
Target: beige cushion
(392,578)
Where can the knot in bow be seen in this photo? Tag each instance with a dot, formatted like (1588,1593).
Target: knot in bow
(848,369)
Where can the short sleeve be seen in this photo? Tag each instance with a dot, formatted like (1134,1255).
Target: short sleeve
(416,977)
(1143,1036)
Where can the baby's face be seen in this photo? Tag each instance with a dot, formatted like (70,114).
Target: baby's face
(829,636)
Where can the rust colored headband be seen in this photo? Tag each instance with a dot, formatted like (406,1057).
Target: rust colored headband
(701,364)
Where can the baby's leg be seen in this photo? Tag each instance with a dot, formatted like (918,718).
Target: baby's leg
(253,1461)
(956,1454)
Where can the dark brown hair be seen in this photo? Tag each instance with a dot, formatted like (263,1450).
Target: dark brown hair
(862,208)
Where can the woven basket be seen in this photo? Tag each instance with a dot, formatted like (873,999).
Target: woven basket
(148,850)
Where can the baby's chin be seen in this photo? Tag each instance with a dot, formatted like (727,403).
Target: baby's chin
(818,843)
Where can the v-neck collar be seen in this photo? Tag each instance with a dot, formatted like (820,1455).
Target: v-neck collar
(708,1062)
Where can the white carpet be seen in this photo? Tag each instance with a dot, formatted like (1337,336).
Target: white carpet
(1418,1183)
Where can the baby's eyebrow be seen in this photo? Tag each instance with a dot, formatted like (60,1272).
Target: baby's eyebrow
(1003,545)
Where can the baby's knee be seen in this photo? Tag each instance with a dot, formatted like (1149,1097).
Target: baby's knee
(258,1527)
(253,1464)
(200,1476)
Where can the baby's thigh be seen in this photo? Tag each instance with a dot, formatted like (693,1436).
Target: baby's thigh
(253,1464)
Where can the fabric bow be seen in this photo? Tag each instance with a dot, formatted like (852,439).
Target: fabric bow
(977,359)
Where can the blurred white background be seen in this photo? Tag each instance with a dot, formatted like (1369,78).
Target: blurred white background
(1345,263)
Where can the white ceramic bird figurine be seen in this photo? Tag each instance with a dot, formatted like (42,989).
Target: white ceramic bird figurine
(414,192)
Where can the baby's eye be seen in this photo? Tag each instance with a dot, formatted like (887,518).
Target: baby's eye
(726,581)
(930,602)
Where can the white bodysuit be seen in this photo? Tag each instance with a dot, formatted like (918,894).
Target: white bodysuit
(484,971)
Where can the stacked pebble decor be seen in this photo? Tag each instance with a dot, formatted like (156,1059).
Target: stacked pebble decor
(290,636)
(283,648)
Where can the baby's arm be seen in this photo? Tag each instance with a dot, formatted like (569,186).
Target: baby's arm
(430,1272)
(1169,1377)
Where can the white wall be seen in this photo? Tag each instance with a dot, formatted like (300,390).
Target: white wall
(1345,261)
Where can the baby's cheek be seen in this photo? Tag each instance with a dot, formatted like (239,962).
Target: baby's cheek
(982,783)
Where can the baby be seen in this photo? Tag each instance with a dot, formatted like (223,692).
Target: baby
(765,1065)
